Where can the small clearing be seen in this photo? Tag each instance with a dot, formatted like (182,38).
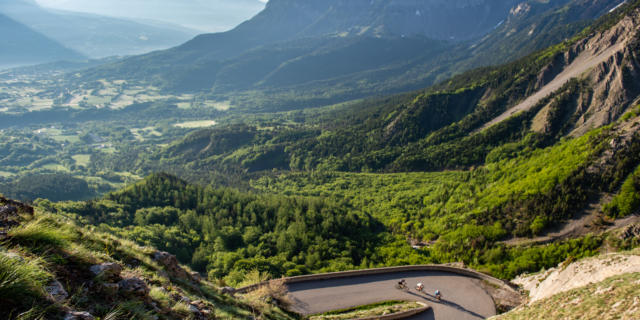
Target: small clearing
(82,159)
(195,124)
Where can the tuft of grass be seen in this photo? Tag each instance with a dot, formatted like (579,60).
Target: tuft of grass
(35,313)
(41,235)
(370,310)
(133,310)
(161,296)
(21,282)
(181,309)
(273,293)
(365,307)
(253,277)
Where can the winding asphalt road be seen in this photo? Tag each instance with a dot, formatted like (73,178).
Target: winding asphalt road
(462,297)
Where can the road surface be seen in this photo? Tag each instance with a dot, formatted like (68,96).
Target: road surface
(462,297)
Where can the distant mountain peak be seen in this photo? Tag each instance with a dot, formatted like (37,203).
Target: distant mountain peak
(438,19)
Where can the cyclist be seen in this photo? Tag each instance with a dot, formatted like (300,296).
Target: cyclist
(438,294)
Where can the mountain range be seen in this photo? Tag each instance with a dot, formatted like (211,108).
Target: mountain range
(92,35)
(331,51)
(21,45)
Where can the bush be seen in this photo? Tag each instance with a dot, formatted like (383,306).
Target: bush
(627,201)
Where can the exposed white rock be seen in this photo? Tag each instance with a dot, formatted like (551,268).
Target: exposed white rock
(577,274)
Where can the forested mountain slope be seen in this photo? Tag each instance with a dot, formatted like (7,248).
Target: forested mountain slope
(439,128)
(294,55)
(295,223)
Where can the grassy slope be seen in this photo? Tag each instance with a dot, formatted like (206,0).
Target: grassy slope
(47,246)
(614,298)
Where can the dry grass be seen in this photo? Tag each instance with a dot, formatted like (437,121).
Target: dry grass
(272,292)
(370,311)
(615,298)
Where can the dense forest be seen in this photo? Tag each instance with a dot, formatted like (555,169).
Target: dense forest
(230,233)
(325,221)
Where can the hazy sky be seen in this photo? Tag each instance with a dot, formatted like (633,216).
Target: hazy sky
(205,15)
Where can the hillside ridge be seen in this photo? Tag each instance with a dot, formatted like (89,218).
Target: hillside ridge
(52,268)
(592,53)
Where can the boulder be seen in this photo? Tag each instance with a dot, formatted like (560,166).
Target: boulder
(56,291)
(199,310)
(199,304)
(109,289)
(193,309)
(7,216)
(134,287)
(228,290)
(7,211)
(170,263)
(196,276)
(108,270)
(76,315)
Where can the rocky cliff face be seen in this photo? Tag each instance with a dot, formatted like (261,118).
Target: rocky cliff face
(612,85)
(615,82)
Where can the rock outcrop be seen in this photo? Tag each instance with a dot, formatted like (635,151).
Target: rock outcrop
(172,266)
(108,270)
(133,286)
(56,291)
(614,82)
(228,290)
(9,214)
(629,232)
(606,63)
(577,274)
(76,315)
